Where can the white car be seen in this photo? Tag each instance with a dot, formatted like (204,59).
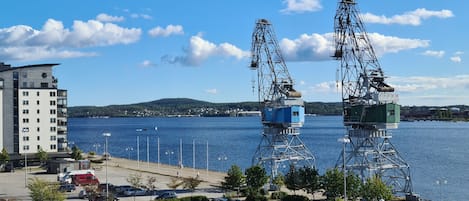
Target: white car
(134,192)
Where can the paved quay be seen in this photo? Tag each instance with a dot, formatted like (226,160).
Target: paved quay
(12,185)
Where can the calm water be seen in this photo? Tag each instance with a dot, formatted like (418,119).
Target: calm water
(435,150)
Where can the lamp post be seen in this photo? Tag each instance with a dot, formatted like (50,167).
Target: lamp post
(169,153)
(344,141)
(440,182)
(96,146)
(222,157)
(129,149)
(106,136)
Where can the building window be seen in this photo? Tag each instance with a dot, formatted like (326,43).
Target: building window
(25,102)
(44,85)
(25,138)
(38,138)
(38,129)
(38,120)
(52,94)
(25,93)
(31,84)
(38,93)
(38,147)
(52,102)
(25,111)
(53,129)
(26,147)
(53,138)
(25,120)
(25,129)
(52,111)
(24,74)
(53,146)
(38,111)
(295,114)
(37,102)
(52,120)
(25,85)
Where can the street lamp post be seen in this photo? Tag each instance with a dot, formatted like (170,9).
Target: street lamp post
(129,149)
(222,157)
(169,153)
(440,182)
(96,146)
(106,136)
(344,141)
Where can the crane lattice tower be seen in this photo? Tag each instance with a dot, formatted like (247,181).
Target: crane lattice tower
(370,105)
(282,107)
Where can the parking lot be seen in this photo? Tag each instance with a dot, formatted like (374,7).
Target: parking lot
(12,184)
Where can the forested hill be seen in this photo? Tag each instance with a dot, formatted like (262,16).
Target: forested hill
(188,107)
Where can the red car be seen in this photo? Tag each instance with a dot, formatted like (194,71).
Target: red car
(85,179)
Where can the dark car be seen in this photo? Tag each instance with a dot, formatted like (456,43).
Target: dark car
(167,195)
(67,187)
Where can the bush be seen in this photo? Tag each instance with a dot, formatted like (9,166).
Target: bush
(169,199)
(193,198)
(256,198)
(295,198)
(278,195)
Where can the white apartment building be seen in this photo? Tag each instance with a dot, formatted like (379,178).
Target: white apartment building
(34,112)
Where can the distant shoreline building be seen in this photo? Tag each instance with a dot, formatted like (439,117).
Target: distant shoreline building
(34,110)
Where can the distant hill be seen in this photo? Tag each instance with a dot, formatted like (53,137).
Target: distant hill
(188,107)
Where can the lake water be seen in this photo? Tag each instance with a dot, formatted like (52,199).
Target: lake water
(436,151)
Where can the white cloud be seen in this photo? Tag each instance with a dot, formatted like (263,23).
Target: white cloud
(55,41)
(143,16)
(319,47)
(211,91)
(169,30)
(425,83)
(147,63)
(325,87)
(200,50)
(390,44)
(456,59)
(432,53)
(103,17)
(301,6)
(413,18)
(314,47)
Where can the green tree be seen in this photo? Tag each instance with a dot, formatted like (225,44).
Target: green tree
(256,177)
(353,186)
(292,179)
(76,153)
(191,183)
(279,181)
(4,157)
(375,189)
(42,155)
(309,178)
(41,190)
(234,179)
(333,183)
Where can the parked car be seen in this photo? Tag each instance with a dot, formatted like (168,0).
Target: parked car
(134,192)
(85,179)
(119,190)
(167,195)
(67,187)
(83,194)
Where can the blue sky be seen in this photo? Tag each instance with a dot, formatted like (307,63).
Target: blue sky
(122,51)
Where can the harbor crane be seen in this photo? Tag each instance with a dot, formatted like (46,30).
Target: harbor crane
(370,105)
(282,108)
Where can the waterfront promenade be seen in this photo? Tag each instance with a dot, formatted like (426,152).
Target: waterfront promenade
(12,185)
